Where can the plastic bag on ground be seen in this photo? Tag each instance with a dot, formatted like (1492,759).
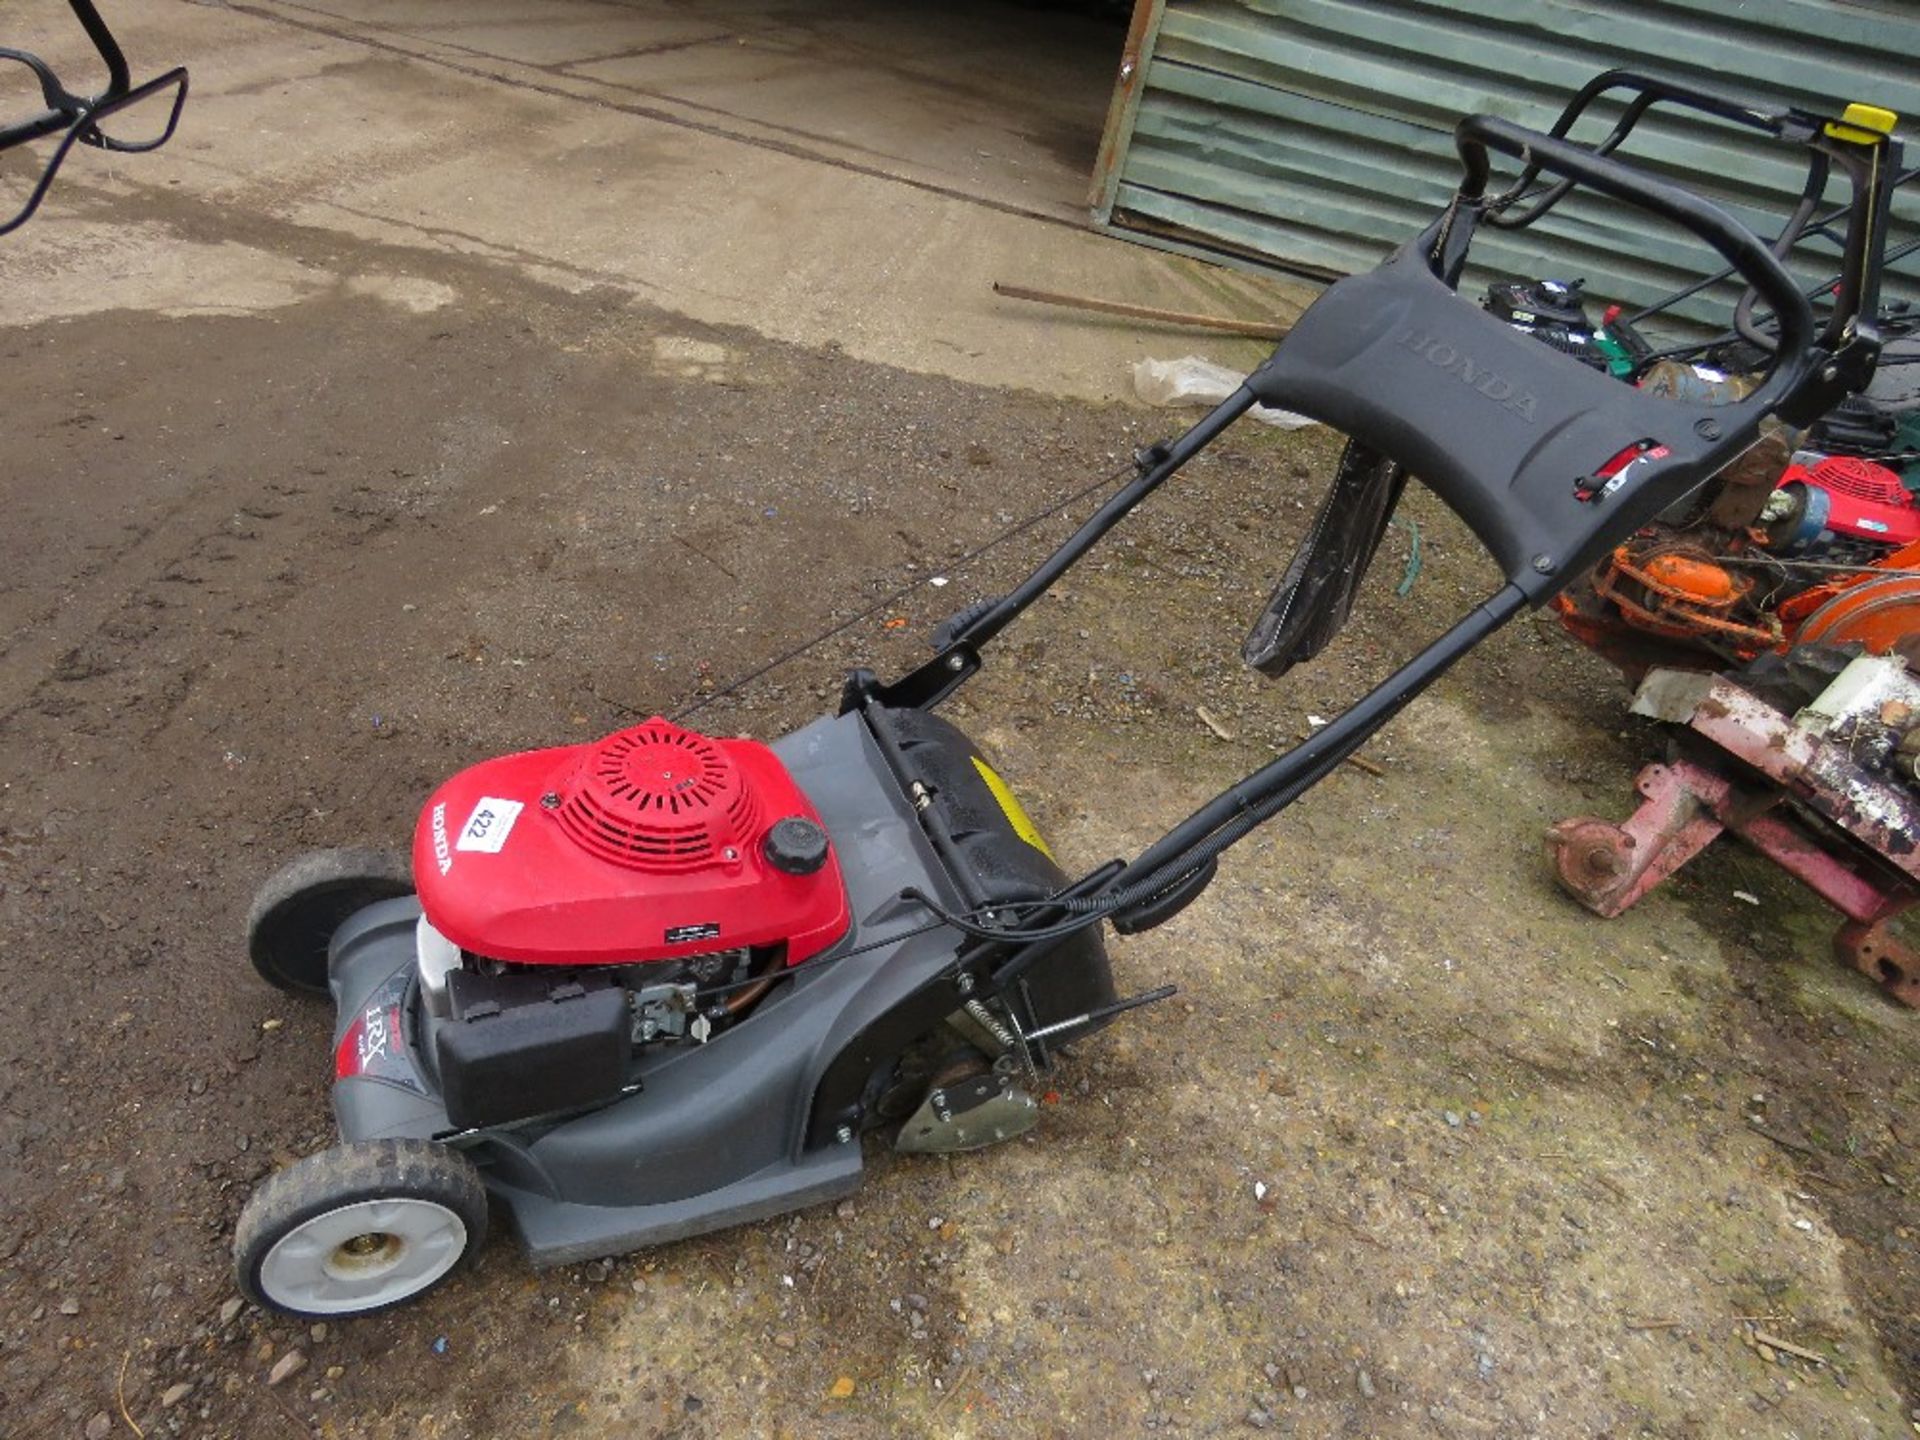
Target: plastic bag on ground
(1193,381)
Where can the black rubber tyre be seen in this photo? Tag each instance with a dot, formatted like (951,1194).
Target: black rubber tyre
(302,903)
(359,1228)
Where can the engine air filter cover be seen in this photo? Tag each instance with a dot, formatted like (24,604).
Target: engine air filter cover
(646,845)
(1862,479)
(659,798)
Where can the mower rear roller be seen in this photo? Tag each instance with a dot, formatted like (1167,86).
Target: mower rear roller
(295,913)
(360,1227)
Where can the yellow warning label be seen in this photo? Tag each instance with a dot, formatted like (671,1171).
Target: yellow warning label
(1016,814)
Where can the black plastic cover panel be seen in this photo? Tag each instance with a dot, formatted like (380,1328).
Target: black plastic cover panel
(990,861)
(1504,429)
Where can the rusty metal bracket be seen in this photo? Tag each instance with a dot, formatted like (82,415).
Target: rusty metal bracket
(1870,874)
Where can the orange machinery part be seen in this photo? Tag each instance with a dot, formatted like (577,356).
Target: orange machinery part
(1684,577)
(1877,610)
(1689,599)
(1880,613)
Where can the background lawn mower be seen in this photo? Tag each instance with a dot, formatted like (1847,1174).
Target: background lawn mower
(651,986)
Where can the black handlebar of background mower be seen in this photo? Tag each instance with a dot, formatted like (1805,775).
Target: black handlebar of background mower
(1735,243)
(1646,91)
(77,118)
(1869,159)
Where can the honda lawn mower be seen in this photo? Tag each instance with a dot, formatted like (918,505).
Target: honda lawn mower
(662,983)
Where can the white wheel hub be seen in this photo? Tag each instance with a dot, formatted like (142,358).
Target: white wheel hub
(362,1256)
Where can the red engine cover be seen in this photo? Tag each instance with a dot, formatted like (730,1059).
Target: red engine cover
(643,846)
(1865,501)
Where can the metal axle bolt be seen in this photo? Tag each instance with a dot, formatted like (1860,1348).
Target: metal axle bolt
(844,1134)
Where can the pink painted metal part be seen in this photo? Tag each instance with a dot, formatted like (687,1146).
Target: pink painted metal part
(1869,878)
(1872,950)
(1607,867)
(1882,815)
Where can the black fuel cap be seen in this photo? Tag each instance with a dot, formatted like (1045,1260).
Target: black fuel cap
(796,846)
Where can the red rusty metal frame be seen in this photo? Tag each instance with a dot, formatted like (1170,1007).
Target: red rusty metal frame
(1686,805)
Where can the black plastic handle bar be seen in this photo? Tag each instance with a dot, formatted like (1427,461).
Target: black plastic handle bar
(1737,245)
(1646,91)
(85,130)
(63,107)
(119,78)
(1655,89)
(34,127)
(76,118)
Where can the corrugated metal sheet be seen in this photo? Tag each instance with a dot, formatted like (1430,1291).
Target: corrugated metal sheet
(1316,134)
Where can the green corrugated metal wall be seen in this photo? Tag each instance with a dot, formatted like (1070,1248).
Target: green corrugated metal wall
(1316,134)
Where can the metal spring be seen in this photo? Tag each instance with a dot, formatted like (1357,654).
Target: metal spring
(990,1023)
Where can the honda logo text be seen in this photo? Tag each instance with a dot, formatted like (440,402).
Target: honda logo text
(1496,387)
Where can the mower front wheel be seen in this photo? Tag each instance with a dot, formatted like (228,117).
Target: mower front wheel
(296,911)
(359,1228)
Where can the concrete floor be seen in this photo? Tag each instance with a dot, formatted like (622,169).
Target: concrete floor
(856,172)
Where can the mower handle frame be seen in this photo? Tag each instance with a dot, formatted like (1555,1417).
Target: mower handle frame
(1310,372)
(1519,205)
(1477,135)
(1443,247)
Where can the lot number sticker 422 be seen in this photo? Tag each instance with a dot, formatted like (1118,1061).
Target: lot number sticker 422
(489,825)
